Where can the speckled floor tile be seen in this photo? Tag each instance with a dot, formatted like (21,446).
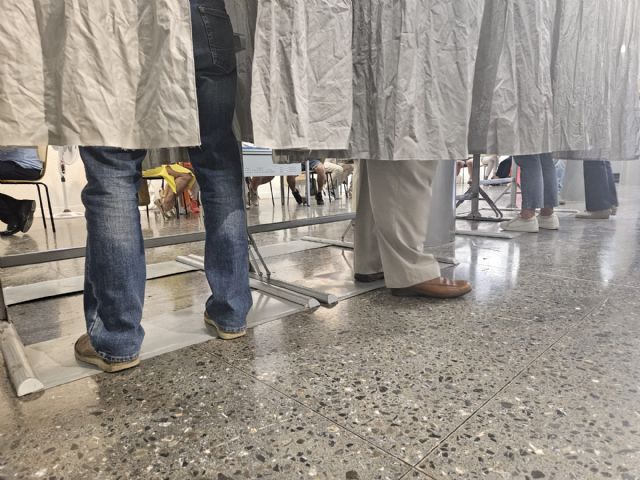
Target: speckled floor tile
(182,415)
(582,249)
(403,372)
(574,414)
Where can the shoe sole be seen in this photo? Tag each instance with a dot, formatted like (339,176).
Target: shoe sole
(364,278)
(549,228)
(27,225)
(407,293)
(221,333)
(107,367)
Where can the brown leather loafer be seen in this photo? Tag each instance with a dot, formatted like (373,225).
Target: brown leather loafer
(436,288)
(368,277)
(86,353)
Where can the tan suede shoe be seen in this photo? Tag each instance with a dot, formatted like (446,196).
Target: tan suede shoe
(436,288)
(86,353)
(221,333)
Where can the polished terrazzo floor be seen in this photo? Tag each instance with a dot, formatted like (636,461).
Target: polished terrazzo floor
(535,375)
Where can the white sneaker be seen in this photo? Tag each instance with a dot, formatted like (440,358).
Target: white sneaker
(550,222)
(520,224)
(598,215)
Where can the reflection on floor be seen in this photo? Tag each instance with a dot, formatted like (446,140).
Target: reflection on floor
(536,374)
(72,233)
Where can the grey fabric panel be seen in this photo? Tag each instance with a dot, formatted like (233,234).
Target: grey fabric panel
(580,76)
(512,110)
(625,81)
(595,74)
(413,68)
(114,73)
(301,92)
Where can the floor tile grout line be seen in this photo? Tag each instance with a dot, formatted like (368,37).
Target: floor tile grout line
(511,380)
(406,475)
(307,407)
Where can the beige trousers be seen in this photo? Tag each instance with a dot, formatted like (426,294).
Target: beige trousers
(393,204)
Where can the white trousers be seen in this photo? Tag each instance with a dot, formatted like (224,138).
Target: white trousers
(393,205)
(338,172)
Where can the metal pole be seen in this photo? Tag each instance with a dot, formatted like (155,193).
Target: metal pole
(514,184)
(308,182)
(475,186)
(282,190)
(22,376)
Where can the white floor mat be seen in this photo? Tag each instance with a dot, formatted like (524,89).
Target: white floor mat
(55,364)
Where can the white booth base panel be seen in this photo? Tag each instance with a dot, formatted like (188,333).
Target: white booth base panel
(54,363)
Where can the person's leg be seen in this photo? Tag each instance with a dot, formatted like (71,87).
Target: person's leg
(550,185)
(17,214)
(367,260)
(531,184)
(401,231)
(561,170)
(492,166)
(218,168)
(337,176)
(596,186)
(257,181)
(115,270)
(182,181)
(8,209)
(611,180)
(321,178)
(13,171)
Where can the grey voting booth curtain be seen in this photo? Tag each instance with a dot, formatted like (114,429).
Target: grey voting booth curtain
(406,70)
(512,110)
(558,76)
(109,72)
(413,77)
(301,91)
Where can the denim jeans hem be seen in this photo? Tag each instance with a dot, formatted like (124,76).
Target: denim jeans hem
(117,359)
(230,330)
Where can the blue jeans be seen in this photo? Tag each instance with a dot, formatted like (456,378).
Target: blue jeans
(561,171)
(115,264)
(538,181)
(599,186)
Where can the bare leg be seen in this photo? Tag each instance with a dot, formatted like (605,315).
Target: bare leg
(322,177)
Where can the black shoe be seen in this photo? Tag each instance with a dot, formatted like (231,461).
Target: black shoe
(11,230)
(319,198)
(297,196)
(25,215)
(368,277)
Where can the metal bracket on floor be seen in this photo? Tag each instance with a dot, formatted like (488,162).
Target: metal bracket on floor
(474,194)
(21,373)
(349,245)
(270,286)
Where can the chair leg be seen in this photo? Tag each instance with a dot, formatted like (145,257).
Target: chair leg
(53,223)
(273,200)
(44,217)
